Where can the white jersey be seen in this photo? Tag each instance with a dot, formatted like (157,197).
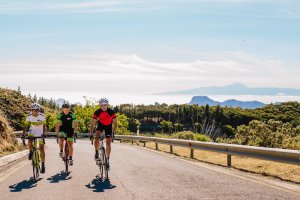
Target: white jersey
(35,124)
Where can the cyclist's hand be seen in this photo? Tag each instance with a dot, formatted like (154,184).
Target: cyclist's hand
(44,135)
(75,135)
(91,137)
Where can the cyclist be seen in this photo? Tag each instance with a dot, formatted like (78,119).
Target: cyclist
(66,127)
(36,122)
(107,121)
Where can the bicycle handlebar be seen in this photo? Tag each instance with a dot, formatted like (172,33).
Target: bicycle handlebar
(29,137)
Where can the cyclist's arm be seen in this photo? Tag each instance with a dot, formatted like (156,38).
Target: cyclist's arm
(57,127)
(92,125)
(25,128)
(115,125)
(44,129)
(75,126)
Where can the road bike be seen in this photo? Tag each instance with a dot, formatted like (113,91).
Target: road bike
(66,153)
(36,159)
(102,162)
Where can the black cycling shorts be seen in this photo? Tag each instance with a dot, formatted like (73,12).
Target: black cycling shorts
(106,129)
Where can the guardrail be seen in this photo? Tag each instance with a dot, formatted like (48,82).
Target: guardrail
(273,154)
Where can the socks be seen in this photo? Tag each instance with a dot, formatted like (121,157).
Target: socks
(71,158)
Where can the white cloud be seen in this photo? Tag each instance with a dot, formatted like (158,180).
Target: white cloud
(97,6)
(133,74)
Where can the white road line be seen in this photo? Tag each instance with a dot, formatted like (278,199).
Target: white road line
(12,169)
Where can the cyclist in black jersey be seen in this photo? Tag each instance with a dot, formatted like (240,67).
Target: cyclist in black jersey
(107,121)
(66,127)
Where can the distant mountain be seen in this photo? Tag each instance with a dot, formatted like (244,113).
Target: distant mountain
(203,100)
(238,89)
(60,102)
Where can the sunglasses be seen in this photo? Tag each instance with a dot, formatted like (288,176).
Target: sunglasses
(35,110)
(103,104)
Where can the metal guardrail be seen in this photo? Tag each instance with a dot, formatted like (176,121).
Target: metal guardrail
(273,154)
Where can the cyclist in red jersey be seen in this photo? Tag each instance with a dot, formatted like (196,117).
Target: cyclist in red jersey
(107,121)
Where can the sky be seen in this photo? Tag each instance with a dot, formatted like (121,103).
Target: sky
(129,50)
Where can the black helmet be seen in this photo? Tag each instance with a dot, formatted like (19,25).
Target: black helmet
(65,105)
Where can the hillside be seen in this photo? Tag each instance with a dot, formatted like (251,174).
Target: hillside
(13,105)
(8,142)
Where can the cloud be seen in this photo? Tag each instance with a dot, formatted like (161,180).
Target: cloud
(99,6)
(134,74)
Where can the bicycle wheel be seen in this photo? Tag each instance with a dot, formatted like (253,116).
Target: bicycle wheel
(100,163)
(35,165)
(66,158)
(105,164)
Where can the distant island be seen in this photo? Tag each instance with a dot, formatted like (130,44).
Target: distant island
(238,89)
(204,100)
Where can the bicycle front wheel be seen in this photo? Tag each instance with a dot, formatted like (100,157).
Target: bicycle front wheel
(101,164)
(35,165)
(67,159)
(105,163)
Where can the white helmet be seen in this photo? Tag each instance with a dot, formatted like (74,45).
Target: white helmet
(35,106)
(103,101)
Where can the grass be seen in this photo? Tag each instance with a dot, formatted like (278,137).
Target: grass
(282,171)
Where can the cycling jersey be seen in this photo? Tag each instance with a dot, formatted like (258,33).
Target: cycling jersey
(104,117)
(66,123)
(35,124)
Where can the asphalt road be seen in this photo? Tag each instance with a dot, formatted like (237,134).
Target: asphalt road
(136,173)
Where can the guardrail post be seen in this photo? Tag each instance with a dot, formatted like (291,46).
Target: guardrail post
(171,149)
(228,160)
(120,141)
(192,153)
(145,144)
(132,142)
(156,146)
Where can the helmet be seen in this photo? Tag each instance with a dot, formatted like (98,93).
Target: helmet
(65,105)
(103,101)
(35,106)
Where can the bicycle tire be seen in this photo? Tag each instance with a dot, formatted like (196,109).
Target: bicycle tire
(105,164)
(35,165)
(100,163)
(66,158)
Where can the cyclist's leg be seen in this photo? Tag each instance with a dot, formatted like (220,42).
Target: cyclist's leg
(42,150)
(108,135)
(70,140)
(98,133)
(61,139)
(30,141)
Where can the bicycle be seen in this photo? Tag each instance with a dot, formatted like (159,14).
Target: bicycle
(102,161)
(36,159)
(66,153)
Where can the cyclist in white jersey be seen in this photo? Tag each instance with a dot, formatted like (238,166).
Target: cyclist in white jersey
(36,122)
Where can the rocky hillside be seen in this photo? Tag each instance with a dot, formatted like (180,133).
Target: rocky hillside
(13,105)
(8,142)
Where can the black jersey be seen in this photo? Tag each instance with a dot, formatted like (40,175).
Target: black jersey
(66,122)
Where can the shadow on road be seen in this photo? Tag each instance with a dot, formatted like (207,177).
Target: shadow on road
(99,185)
(25,184)
(62,176)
